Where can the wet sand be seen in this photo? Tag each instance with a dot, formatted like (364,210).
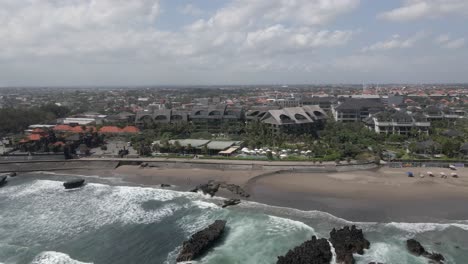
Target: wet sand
(382,195)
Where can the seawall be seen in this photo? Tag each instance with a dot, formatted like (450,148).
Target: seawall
(27,166)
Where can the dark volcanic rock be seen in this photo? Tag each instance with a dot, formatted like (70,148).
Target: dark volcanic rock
(3,180)
(236,189)
(163,185)
(210,188)
(347,241)
(201,241)
(72,184)
(314,251)
(9,174)
(231,202)
(415,248)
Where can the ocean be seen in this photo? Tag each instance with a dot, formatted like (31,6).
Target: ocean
(106,223)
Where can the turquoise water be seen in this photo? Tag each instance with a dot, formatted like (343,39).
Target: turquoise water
(40,222)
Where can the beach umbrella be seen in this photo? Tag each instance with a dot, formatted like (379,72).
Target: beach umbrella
(430,173)
(452,167)
(454,174)
(410,174)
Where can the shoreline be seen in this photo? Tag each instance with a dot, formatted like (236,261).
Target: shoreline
(378,195)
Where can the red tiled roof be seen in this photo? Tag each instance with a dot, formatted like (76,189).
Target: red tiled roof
(110,129)
(130,129)
(115,130)
(74,129)
(38,131)
(34,137)
(59,143)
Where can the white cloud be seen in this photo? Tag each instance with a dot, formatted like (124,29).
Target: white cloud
(395,42)
(49,27)
(247,13)
(446,41)
(455,44)
(417,9)
(442,38)
(191,10)
(278,37)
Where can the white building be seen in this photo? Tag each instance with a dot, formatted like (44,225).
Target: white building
(397,122)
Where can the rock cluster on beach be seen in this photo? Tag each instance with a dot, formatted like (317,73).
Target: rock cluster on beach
(236,189)
(230,202)
(415,248)
(314,251)
(201,241)
(212,187)
(348,241)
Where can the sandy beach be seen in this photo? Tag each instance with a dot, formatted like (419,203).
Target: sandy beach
(384,194)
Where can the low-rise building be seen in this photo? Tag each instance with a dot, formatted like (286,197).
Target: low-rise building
(216,119)
(295,120)
(161,116)
(397,122)
(356,110)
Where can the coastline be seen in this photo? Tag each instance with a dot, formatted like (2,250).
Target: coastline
(377,195)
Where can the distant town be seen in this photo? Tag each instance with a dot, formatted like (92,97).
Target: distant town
(328,123)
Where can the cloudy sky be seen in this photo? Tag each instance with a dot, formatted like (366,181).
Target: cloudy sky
(180,42)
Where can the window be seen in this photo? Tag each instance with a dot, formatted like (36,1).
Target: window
(300,117)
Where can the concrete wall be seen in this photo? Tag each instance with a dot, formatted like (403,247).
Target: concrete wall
(55,165)
(25,166)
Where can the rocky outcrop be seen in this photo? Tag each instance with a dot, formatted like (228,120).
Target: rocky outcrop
(346,242)
(201,241)
(164,185)
(415,248)
(9,174)
(231,202)
(236,189)
(210,188)
(314,251)
(3,180)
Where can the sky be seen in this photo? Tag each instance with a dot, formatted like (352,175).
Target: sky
(209,42)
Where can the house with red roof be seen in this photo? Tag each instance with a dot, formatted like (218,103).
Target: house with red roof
(117,130)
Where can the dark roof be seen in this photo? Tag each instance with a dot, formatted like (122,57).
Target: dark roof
(427,144)
(452,133)
(464,147)
(358,104)
(319,99)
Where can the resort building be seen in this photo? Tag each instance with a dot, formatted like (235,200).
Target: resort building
(323,102)
(217,118)
(397,122)
(160,116)
(434,113)
(295,120)
(356,110)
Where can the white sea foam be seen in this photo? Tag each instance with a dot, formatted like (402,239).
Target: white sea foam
(278,226)
(387,253)
(114,180)
(52,257)
(206,205)
(332,248)
(57,212)
(415,228)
